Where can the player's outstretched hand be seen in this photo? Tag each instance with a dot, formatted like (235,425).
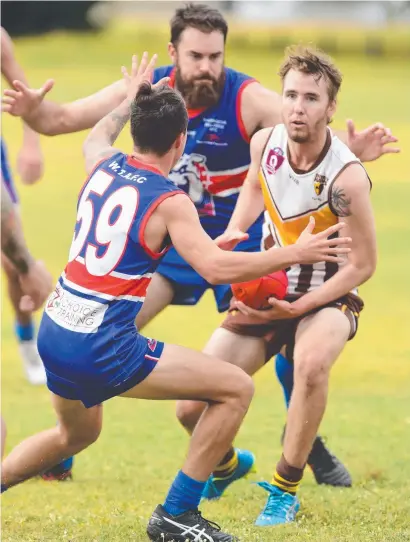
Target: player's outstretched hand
(141,72)
(23,101)
(229,239)
(370,143)
(36,285)
(318,248)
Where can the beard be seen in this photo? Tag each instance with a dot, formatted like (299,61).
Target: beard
(307,134)
(203,91)
(299,138)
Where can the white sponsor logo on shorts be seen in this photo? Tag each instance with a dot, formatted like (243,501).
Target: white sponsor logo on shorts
(73,312)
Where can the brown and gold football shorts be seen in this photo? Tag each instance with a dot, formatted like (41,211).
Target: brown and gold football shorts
(281,333)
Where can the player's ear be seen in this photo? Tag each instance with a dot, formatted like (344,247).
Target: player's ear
(172,52)
(331,110)
(180,140)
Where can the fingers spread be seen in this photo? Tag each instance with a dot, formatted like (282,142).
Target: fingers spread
(18,85)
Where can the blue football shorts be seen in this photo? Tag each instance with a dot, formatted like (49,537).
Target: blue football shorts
(95,368)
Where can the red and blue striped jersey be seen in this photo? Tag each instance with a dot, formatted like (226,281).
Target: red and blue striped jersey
(110,266)
(217,154)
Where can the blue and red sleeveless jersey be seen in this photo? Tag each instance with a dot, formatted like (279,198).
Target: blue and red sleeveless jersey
(217,153)
(110,266)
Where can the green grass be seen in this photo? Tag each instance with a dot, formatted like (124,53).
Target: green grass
(127,472)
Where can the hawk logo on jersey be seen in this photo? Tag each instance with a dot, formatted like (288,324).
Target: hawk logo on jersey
(319,183)
(191,174)
(274,160)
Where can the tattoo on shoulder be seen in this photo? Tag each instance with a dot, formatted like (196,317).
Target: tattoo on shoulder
(340,202)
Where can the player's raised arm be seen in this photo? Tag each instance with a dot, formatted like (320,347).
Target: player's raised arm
(221,267)
(51,118)
(350,201)
(98,144)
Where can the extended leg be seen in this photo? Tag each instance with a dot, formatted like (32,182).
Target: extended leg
(320,338)
(78,427)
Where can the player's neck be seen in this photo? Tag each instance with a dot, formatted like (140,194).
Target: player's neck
(162,163)
(305,156)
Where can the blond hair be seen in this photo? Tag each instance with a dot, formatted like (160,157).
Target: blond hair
(313,62)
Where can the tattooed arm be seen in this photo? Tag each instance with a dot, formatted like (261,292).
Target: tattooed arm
(350,201)
(13,244)
(98,145)
(35,280)
(341,202)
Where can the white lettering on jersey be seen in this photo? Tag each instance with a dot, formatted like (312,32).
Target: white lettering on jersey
(110,234)
(114,166)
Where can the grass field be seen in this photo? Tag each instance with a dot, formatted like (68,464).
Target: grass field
(127,472)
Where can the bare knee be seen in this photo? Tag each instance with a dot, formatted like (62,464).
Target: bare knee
(311,369)
(241,389)
(189,412)
(76,439)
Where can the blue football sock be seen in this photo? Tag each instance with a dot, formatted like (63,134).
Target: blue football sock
(61,467)
(3,488)
(64,465)
(24,332)
(284,372)
(184,494)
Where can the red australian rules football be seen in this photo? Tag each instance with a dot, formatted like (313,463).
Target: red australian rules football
(255,293)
